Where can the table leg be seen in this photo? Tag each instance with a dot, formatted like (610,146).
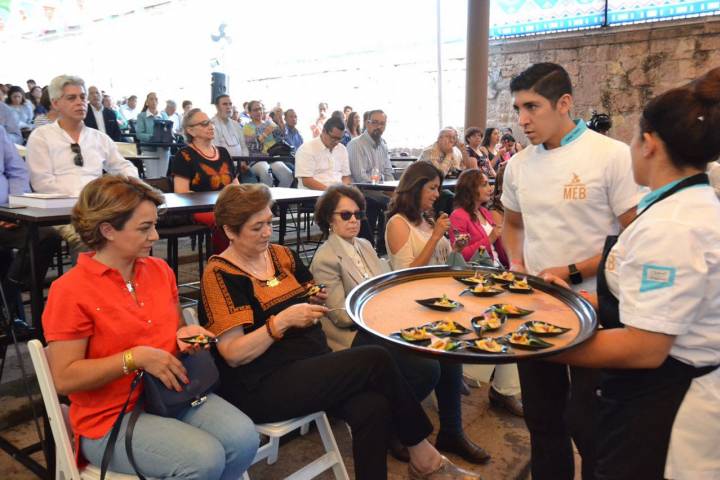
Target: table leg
(283,223)
(36,290)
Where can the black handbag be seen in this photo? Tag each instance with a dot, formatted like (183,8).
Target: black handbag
(280,149)
(160,400)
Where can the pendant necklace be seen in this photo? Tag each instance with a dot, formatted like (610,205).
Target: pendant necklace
(130,287)
(271,282)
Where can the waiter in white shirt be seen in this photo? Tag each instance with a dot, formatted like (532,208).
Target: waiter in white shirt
(562,196)
(659,301)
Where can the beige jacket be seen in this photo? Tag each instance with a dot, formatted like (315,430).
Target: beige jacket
(334,268)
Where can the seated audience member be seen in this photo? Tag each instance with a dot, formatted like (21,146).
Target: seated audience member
(34,95)
(100,118)
(507,148)
(203,167)
(323,161)
(414,239)
(347,110)
(352,129)
(15,180)
(470,217)
(316,128)
(30,84)
(108,104)
(187,105)
(129,110)
(448,154)
(9,121)
(274,361)
(51,114)
(66,155)
(292,135)
(368,153)
(229,134)
(489,144)
(21,106)
(343,262)
(97,323)
(473,138)
(144,128)
(171,113)
(259,137)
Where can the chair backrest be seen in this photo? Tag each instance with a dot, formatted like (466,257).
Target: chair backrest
(190,316)
(65,459)
(161,183)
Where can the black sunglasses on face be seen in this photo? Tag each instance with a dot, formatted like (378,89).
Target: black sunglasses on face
(345,215)
(78,160)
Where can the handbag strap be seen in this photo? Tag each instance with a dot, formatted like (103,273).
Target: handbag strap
(107,455)
(128,439)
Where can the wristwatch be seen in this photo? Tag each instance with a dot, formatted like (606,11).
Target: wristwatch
(575,275)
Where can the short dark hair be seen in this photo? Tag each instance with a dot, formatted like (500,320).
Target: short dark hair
(186,103)
(327,203)
(407,194)
(334,123)
(14,89)
(547,79)
(220,97)
(252,103)
(687,120)
(288,111)
(507,137)
(469,132)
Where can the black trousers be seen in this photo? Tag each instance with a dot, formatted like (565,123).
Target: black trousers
(560,404)
(360,385)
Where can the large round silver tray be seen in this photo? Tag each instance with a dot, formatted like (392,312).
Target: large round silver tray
(385,304)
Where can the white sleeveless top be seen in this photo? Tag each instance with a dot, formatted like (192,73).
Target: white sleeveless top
(414,245)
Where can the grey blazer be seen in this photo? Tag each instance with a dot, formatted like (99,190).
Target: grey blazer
(332,267)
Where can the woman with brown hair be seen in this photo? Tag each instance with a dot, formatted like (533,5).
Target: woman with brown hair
(473,139)
(658,300)
(272,354)
(352,128)
(117,312)
(414,239)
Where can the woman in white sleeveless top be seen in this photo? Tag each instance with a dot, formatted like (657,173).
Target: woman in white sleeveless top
(414,239)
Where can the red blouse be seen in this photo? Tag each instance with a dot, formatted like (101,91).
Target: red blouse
(92,301)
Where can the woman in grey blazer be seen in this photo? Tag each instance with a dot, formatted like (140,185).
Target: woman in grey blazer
(343,262)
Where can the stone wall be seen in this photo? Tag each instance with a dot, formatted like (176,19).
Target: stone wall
(614,71)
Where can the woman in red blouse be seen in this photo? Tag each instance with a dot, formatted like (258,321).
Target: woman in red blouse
(117,312)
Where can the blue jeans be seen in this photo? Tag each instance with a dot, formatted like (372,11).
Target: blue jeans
(210,442)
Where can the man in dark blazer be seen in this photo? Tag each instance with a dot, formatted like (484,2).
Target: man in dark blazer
(107,120)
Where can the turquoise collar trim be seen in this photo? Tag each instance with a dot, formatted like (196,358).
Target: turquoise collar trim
(579,129)
(652,196)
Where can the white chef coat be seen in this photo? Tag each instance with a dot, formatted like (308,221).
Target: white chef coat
(569,197)
(665,271)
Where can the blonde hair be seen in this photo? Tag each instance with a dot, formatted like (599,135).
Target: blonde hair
(237,203)
(109,199)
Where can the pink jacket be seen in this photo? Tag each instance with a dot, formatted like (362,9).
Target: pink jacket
(461,221)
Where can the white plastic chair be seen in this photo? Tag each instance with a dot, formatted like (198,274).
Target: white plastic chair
(66,468)
(332,457)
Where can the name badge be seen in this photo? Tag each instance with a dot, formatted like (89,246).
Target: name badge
(656,276)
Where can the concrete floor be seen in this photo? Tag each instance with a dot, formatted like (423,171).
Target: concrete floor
(501,434)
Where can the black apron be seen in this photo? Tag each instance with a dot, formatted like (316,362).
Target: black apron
(638,406)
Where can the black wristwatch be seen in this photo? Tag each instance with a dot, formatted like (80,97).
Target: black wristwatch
(575,275)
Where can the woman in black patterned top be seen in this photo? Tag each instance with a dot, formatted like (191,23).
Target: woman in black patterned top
(273,356)
(203,167)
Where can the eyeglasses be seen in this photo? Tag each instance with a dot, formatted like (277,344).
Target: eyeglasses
(345,215)
(78,160)
(204,123)
(377,123)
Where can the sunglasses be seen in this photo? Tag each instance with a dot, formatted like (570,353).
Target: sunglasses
(204,123)
(78,160)
(345,215)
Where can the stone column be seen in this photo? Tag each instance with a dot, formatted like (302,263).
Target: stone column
(476,76)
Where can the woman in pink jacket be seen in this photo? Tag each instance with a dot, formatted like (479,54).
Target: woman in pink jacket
(470,217)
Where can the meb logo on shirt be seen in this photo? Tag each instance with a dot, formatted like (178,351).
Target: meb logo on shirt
(575,190)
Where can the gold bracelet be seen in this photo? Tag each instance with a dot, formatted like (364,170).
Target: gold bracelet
(128,362)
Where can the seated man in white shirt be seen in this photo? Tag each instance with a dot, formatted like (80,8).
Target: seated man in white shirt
(66,155)
(129,110)
(323,161)
(229,134)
